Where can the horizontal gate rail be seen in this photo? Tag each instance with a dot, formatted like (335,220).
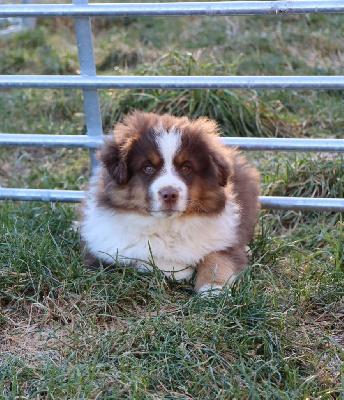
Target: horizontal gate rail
(301,204)
(58,141)
(172,82)
(68,196)
(272,144)
(243,143)
(89,82)
(175,9)
(267,202)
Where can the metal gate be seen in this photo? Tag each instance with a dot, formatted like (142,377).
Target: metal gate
(89,82)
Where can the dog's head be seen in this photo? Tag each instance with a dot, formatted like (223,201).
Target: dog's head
(165,166)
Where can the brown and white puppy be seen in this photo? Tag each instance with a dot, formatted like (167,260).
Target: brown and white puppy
(167,187)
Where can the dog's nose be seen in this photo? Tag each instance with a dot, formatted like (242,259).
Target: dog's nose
(169,195)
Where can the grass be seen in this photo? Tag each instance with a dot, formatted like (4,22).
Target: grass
(70,333)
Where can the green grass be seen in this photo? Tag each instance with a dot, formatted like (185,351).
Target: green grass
(70,333)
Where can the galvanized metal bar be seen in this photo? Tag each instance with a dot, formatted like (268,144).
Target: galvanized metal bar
(302,204)
(270,203)
(248,144)
(67,196)
(281,144)
(88,69)
(172,82)
(174,9)
(57,141)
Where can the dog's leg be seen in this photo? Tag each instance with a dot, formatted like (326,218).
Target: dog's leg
(220,268)
(91,261)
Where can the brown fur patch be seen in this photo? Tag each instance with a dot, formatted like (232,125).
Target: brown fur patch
(220,267)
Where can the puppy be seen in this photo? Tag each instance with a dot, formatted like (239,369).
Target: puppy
(167,188)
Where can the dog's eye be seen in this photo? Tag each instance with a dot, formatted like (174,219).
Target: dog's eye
(185,169)
(149,169)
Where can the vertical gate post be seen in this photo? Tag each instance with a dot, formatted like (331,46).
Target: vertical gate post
(88,68)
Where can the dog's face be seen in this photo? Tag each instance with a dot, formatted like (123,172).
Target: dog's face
(164,166)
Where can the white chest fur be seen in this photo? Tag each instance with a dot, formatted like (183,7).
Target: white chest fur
(176,244)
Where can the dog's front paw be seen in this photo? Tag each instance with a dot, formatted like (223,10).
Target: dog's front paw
(210,289)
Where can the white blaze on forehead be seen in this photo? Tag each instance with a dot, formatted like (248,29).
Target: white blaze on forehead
(168,143)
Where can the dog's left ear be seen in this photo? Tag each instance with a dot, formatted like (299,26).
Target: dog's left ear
(114,156)
(222,166)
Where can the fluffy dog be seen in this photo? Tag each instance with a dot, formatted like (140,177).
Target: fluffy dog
(167,187)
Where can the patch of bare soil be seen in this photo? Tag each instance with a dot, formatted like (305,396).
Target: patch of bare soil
(34,337)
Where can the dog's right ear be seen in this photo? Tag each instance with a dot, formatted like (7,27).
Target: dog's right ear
(114,156)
